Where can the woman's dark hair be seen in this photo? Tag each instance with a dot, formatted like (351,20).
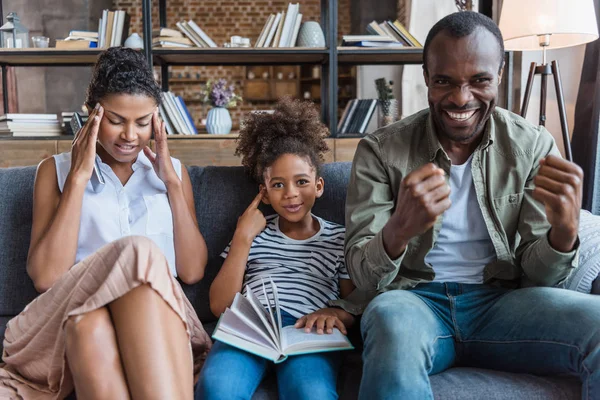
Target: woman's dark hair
(121,70)
(294,128)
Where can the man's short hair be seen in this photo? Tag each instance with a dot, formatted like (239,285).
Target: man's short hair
(461,24)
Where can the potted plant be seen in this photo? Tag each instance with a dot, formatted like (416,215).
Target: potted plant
(221,96)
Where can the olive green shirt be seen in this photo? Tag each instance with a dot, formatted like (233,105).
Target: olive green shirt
(503,167)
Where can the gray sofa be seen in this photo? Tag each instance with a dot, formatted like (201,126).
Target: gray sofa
(222,194)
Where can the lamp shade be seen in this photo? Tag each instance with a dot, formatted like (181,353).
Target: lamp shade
(568,22)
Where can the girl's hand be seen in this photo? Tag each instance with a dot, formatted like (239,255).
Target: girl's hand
(252,221)
(325,320)
(161,160)
(83,150)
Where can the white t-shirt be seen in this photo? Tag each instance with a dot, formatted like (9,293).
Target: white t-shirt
(463,247)
(141,207)
(306,272)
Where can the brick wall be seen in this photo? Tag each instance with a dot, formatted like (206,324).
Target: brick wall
(220,20)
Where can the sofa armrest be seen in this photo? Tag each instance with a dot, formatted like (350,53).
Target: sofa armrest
(585,278)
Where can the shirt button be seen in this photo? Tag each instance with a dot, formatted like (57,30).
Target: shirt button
(512,198)
(496,235)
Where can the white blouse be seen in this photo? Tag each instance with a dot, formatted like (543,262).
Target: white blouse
(140,207)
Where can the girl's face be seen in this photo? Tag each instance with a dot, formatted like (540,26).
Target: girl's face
(126,127)
(292,187)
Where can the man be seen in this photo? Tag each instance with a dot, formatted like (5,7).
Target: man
(447,212)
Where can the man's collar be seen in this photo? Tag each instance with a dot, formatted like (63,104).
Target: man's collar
(435,146)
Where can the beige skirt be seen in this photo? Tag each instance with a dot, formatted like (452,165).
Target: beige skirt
(34,344)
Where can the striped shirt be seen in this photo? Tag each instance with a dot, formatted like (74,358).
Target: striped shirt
(306,272)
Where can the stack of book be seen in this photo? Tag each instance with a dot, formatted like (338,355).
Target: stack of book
(165,37)
(356,117)
(385,34)
(195,34)
(177,117)
(281,29)
(30,125)
(113,28)
(78,40)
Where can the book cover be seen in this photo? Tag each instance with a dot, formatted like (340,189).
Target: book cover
(75,44)
(403,38)
(279,29)
(188,117)
(109,29)
(171,114)
(406,33)
(252,327)
(164,117)
(296,30)
(181,120)
(263,34)
(288,25)
(273,30)
(167,32)
(190,35)
(202,34)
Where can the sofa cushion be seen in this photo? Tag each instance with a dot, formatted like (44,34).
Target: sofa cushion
(218,206)
(16,202)
(582,279)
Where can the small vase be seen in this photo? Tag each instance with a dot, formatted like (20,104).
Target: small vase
(218,121)
(388,112)
(310,35)
(134,41)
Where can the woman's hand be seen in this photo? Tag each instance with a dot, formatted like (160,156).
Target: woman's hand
(83,150)
(325,320)
(252,221)
(161,160)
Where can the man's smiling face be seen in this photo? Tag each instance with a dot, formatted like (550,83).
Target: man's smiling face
(462,78)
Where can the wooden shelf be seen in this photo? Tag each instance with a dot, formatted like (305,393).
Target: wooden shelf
(374,55)
(240,56)
(49,57)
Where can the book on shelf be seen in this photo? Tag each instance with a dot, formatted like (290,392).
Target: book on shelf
(167,41)
(84,34)
(367,43)
(406,33)
(167,32)
(356,117)
(249,326)
(202,34)
(374,29)
(263,33)
(66,121)
(272,30)
(281,29)
(75,44)
(177,117)
(113,28)
(30,125)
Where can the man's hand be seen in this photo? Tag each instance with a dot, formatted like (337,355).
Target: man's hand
(558,185)
(424,195)
(324,320)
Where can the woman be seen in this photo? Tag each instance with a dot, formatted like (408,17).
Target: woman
(112,322)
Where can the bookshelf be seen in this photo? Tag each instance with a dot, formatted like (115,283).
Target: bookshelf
(329,58)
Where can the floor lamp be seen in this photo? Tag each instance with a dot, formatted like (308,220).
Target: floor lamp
(545,25)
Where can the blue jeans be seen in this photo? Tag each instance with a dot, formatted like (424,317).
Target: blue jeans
(230,373)
(411,334)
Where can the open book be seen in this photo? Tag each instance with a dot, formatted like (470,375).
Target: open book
(249,326)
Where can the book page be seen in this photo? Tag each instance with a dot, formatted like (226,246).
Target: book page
(263,315)
(277,309)
(272,317)
(245,345)
(242,308)
(296,341)
(230,323)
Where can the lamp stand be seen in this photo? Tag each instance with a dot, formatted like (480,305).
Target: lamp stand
(546,70)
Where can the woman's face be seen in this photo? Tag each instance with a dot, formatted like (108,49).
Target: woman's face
(126,127)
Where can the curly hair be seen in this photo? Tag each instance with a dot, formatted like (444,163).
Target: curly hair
(294,128)
(121,70)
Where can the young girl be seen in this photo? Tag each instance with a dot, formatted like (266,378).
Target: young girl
(112,321)
(301,252)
